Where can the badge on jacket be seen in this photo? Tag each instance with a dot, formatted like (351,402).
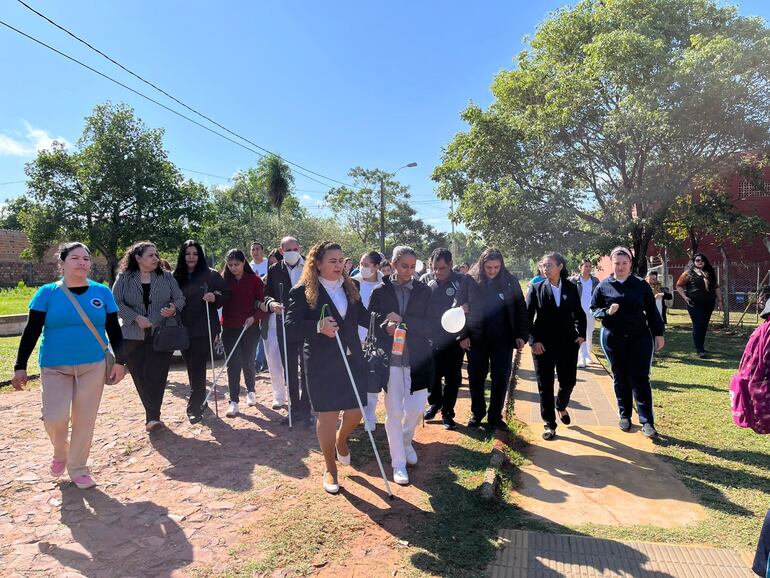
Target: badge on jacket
(450,291)
(501,296)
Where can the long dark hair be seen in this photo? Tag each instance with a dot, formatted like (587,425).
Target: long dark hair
(180,273)
(236,255)
(707,267)
(129,263)
(489,254)
(560,260)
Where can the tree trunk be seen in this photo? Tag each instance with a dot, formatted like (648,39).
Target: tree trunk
(725,287)
(112,266)
(641,243)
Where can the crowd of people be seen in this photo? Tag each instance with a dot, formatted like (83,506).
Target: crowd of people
(337,337)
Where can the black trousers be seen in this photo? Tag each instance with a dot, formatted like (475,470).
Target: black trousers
(196,358)
(448,363)
(295,366)
(561,359)
(630,359)
(493,356)
(244,359)
(700,314)
(149,372)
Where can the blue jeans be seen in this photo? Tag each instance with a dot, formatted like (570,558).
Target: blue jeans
(261,359)
(700,313)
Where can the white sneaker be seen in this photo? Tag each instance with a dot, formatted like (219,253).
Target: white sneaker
(232,409)
(400,476)
(251,399)
(370,425)
(581,363)
(411,455)
(278,404)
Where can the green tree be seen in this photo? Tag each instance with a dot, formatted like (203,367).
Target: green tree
(10,212)
(275,180)
(615,111)
(115,188)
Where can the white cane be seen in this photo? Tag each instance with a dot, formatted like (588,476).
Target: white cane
(285,354)
(211,349)
(224,367)
(361,407)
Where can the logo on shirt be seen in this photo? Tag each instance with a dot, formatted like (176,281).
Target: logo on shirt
(450,291)
(97,303)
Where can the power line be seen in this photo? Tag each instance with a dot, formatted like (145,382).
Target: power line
(147,82)
(12,183)
(149,98)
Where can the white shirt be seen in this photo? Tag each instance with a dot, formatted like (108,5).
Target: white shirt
(556,293)
(295,272)
(337,293)
(259,268)
(366,296)
(585,293)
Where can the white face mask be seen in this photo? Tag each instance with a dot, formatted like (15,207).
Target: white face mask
(291,258)
(366,272)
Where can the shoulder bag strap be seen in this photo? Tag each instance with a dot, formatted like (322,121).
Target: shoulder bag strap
(83,315)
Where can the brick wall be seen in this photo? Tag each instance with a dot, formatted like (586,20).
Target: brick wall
(13,268)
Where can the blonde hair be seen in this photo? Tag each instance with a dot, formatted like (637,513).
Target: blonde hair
(309,276)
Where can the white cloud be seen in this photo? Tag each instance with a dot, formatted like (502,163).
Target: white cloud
(34,140)
(307,197)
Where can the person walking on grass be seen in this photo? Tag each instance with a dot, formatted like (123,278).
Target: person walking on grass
(557,328)
(241,310)
(202,288)
(697,285)
(632,330)
(403,329)
(368,277)
(72,358)
(496,323)
(586,282)
(325,305)
(146,295)
(447,353)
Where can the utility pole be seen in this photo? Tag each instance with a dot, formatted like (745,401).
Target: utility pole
(382,215)
(452,220)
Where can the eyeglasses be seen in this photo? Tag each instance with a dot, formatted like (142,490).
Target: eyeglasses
(548,265)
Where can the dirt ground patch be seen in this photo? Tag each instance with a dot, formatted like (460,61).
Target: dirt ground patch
(227,497)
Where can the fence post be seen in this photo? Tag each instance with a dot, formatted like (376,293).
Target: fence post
(725,287)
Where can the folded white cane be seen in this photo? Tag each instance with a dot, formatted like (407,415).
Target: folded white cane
(224,367)
(361,407)
(285,354)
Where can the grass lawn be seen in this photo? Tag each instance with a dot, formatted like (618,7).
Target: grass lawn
(8,348)
(15,300)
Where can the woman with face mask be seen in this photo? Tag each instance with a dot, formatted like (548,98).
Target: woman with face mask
(202,288)
(368,277)
(146,294)
(404,328)
(631,330)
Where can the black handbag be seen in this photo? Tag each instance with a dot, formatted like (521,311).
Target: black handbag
(377,362)
(170,338)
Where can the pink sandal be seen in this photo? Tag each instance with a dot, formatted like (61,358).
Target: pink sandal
(57,467)
(84,482)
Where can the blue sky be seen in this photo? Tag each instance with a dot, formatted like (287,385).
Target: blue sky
(328,85)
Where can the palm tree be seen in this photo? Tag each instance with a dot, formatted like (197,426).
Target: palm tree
(275,179)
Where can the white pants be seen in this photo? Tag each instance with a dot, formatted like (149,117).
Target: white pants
(274,363)
(585,347)
(404,410)
(370,411)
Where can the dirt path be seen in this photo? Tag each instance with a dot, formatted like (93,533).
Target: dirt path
(207,499)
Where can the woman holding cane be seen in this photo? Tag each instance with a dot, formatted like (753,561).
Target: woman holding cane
(202,288)
(324,305)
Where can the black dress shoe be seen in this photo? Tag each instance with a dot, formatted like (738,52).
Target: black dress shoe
(431,412)
(448,422)
(549,434)
(565,419)
(474,422)
(500,425)
(195,417)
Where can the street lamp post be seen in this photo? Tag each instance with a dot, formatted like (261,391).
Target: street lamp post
(382,203)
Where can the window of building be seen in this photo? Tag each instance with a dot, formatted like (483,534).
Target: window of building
(750,189)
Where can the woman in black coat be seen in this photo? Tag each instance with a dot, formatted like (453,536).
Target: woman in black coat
(402,302)
(202,287)
(496,322)
(557,328)
(325,303)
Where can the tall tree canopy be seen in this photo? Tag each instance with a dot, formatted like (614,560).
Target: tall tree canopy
(275,180)
(616,110)
(115,188)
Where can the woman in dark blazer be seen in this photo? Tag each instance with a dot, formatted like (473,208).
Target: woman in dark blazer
(202,287)
(146,295)
(496,322)
(404,301)
(325,303)
(557,328)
